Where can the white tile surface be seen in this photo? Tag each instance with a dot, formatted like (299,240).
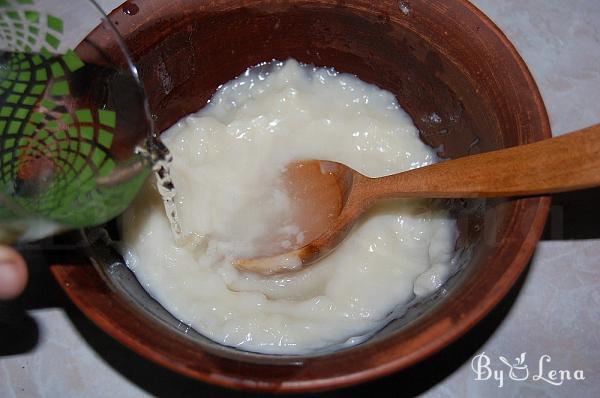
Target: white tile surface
(560,41)
(556,312)
(61,365)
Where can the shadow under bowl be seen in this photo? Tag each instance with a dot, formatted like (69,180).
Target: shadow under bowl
(451,69)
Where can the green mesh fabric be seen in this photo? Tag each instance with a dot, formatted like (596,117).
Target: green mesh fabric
(51,155)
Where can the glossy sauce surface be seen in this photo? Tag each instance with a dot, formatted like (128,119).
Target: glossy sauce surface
(228,161)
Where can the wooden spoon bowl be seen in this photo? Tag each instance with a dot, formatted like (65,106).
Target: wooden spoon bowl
(331,197)
(456,74)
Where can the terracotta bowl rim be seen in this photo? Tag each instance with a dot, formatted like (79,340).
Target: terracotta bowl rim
(119,330)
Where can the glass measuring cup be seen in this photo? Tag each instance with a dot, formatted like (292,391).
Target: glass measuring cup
(71,118)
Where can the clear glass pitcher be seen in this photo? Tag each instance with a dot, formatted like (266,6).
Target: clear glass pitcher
(71,117)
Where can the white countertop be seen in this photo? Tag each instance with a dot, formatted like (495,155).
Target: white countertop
(555,312)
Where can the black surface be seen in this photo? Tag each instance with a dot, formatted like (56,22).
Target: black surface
(574,215)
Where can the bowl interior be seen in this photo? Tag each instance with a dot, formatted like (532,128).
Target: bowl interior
(467,91)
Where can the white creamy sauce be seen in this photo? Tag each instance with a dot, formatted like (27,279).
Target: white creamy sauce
(227,160)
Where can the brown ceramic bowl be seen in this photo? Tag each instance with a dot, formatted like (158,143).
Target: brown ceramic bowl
(450,67)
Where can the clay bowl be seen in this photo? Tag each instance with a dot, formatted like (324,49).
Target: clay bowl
(450,67)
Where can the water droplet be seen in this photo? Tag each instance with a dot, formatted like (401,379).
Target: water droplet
(432,118)
(404,7)
(130,8)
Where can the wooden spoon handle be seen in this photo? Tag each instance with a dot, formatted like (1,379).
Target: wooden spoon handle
(566,163)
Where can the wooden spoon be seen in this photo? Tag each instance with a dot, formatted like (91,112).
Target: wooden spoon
(566,163)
